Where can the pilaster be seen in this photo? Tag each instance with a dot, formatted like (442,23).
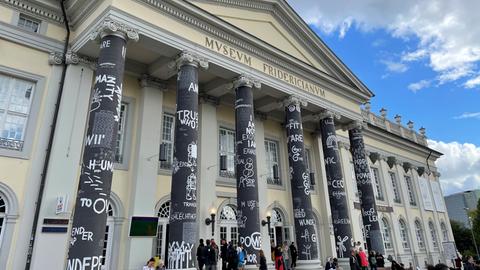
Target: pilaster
(143,185)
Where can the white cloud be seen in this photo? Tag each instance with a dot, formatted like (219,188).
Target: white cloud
(473,82)
(447,32)
(419,85)
(459,166)
(468,115)
(396,67)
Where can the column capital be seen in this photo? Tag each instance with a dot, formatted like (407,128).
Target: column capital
(294,100)
(146,80)
(58,58)
(189,58)
(245,80)
(327,113)
(355,124)
(110,26)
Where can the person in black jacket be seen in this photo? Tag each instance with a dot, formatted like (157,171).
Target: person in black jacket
(354,263)
(380,260)
(201,255)
(294,252)
(263,261)
(211,256)
(223,253)
(231,257)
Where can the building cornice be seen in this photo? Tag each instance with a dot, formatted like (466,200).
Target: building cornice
(218,28)
(35,10)
(310,41)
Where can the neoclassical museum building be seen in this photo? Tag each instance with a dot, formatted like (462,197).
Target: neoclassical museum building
(130,129)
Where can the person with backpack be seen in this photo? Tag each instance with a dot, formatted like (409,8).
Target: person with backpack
(242,257)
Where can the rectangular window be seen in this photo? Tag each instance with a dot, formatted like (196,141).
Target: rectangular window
(411,191)
(396,192)
(377,184)
(271,152)
(168,130)
(15,102)
(120,146)
(226,146)
(28,23)
(308,164)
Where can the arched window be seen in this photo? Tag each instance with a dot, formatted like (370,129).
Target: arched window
(3,212)
(108,239)
(387,240)
(404,234)
(162,231)
(279,232)
(419,234)
(444,229)
(228,223)
(433,234)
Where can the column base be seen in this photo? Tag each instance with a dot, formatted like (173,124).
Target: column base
(344,263)
(309,265)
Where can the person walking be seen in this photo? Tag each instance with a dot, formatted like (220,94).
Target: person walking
(354,264)
(242,257)
(294,252)
(231,257)
(278,258)
(287,255)
(263,261)
(223,253)
(372,260)
(469,265)
(211,262)
(363,259)
(201,254)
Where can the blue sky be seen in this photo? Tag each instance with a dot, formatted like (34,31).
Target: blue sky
(422,61)
(436,108)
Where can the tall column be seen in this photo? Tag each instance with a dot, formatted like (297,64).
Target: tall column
(306,238)
(371,226)
(183,204)
(336,187)
(90,213)
(246,169)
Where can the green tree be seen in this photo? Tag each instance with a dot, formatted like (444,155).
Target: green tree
(476,223)
(463,238)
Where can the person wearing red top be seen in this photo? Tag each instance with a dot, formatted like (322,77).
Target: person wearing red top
(363,259)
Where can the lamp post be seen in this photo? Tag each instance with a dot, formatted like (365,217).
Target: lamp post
(211,220)
(471,230)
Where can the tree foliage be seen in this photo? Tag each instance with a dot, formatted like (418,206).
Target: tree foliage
(463,238)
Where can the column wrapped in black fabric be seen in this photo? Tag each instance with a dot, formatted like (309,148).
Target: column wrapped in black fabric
(336,188)
(248,218)
(371,226)
(91,206)
(305,235)
(183,203)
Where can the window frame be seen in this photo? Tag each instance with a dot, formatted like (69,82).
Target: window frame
(385,227)
(33,115)
(397,197)
(42,28)
(444,229)
(379,192)
(403,230)
(433,234)
(127,143)
(279,163)
(412,197)
(167,169)
(419,234)
(227,174)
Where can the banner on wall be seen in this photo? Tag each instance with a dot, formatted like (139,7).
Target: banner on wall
(425,193)
(438,196)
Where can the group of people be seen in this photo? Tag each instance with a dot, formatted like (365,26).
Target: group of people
(284,255)
(359,260)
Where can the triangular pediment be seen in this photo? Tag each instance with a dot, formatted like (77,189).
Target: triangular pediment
(275,23)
